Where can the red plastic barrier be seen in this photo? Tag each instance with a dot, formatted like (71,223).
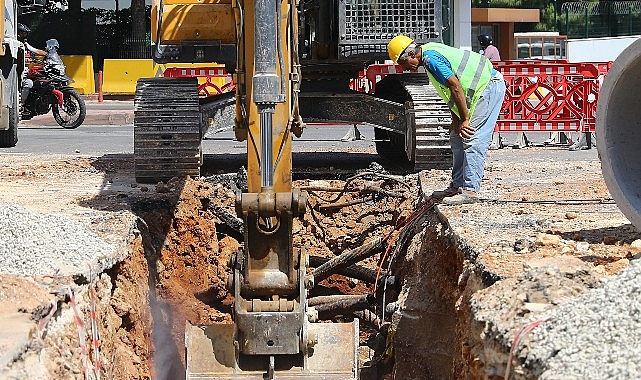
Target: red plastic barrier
(367,78)
(550,95)
(541,95)
(210,75)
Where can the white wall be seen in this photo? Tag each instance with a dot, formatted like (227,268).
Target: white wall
(462,11)
(602,49)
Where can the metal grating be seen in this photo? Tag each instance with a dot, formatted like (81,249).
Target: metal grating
(367,25)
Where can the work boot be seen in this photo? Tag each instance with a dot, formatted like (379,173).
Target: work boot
(464,197)
(451,190)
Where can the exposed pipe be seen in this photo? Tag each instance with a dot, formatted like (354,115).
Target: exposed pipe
(352,271)
(330,306)
(618,132)
(348,258)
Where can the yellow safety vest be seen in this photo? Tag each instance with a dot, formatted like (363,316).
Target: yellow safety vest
(473,70)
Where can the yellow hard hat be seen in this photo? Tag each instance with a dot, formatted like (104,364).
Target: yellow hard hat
(397,45)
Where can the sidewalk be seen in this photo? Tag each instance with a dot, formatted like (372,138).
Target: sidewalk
(107,112)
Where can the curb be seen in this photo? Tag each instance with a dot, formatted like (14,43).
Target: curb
(117,117)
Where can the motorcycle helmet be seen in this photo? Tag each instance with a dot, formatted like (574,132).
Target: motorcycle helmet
(485,40)
(52,44)
(23,32)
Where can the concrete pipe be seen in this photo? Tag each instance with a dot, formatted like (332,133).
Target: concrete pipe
(618,132)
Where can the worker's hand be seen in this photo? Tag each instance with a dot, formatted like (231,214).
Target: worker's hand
(466,131)
(455,126)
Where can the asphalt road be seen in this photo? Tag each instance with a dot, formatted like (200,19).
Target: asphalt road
(320,146)
(118,139)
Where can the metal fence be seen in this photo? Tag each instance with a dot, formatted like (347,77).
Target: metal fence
(367,25)
(584,19)
(123,48)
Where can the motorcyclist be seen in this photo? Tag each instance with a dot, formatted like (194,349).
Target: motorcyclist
(488,49)
(27,84)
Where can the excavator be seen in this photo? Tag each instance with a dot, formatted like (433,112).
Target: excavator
(291,61)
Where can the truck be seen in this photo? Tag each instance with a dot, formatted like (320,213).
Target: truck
(601,49)
(291,62)
(12,65)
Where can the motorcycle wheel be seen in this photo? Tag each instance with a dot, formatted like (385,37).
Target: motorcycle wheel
(72,112)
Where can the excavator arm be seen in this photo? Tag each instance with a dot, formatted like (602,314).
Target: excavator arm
(273,334)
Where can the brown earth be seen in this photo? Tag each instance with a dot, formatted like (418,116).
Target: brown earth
(176,268)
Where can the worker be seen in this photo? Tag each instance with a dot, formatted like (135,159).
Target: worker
(474,92)
(487,49)
(23,34)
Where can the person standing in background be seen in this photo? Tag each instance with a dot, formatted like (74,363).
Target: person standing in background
(487,49)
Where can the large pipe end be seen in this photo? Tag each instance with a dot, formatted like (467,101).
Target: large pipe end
(618,132)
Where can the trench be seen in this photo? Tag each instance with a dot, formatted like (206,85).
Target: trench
(178,267)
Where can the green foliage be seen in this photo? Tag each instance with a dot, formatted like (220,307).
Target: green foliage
(550,16)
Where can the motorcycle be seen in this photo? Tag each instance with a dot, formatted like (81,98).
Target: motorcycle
(51,91)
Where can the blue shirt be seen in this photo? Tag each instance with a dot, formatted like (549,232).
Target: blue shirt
(439,66)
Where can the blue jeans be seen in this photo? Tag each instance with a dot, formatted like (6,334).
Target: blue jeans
(469,154)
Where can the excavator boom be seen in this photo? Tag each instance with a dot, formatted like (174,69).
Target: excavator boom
(273,334)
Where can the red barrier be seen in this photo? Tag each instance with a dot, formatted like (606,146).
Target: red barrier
(210,74)
(541,95)
(550,95)
(367,79)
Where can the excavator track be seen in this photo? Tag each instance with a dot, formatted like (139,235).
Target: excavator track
(167,129)
(431,118)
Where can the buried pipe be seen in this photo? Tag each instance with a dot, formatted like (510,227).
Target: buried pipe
(367,316)
(618,132)
(352,271)
(330,306)
(347,258)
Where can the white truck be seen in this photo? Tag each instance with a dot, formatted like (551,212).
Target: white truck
(11,65)
(601,49)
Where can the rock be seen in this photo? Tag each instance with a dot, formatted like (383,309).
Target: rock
(162,188)
(571,215)
(369,219)
(582,246)
(636,244)
(610,240)
(536,307)
(548,239)
(523,246)
(567,265)
(618,265)
(319,183)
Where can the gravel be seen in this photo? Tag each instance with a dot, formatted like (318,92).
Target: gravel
(594,336)
(35,244)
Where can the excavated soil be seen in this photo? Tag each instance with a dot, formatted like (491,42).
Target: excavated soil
(175,243)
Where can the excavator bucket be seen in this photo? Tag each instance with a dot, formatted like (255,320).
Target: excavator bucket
(212,353)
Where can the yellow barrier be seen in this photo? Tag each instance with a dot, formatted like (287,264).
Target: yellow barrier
(120,75)
(80,69)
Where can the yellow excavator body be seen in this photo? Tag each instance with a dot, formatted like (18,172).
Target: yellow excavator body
(192,20)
